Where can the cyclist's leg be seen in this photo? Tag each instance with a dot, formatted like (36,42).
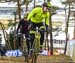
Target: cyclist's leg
(19,41)
(32,35)
(32,39)
(42,37)
(27,41)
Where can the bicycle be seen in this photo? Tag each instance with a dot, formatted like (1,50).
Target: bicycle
(23,47)
(36,45)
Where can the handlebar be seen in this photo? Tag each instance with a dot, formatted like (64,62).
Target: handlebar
(39,30)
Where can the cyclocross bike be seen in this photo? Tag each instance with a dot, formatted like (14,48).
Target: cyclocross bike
(36,44)
(23,48)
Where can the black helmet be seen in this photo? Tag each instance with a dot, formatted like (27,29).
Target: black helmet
(26,14)
(45,4)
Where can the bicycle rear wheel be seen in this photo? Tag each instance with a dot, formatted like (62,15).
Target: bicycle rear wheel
(24,49)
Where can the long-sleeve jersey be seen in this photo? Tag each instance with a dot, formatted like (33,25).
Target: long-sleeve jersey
(23,26)
(37,15)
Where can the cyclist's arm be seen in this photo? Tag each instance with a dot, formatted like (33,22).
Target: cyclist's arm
(32,13)
(47,18)
(47,23)
(19,25)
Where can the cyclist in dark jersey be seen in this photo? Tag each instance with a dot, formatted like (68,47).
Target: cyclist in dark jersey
(23,27)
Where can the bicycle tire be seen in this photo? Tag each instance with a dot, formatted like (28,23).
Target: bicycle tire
(34,58)
(24,49)
(35,51)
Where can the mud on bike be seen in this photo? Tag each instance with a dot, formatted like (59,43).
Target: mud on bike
(23,47)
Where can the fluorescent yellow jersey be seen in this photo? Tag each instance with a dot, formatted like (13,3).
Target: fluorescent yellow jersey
(37,15)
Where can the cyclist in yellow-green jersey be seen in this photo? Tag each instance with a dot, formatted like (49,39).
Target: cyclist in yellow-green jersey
(36,17)
(38,14)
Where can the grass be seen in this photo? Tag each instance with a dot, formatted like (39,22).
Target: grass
(55,59)
(40,59)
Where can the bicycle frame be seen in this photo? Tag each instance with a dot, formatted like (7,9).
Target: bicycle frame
(36,45)
(37,40)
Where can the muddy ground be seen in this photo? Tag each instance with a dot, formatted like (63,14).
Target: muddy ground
(40,59)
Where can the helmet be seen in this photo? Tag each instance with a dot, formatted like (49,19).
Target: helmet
(45,4)
(26,14)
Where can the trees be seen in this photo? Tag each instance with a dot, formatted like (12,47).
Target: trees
(68,3)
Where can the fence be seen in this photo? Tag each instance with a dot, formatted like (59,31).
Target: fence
(57,43)
(71,49)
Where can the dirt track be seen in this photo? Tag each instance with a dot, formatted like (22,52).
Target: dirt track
(41,59)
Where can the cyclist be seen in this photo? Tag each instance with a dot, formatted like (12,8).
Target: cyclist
(23,27)
(36,17)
